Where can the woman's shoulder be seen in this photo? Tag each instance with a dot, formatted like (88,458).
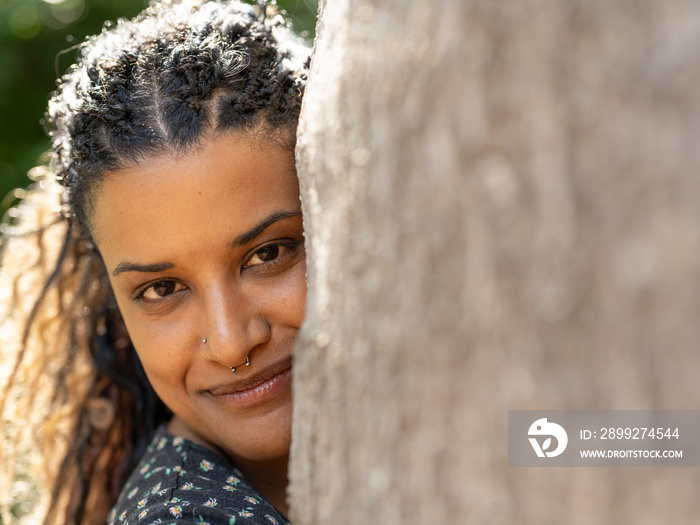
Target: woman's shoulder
(178,481)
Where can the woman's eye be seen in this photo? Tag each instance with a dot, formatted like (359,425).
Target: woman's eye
(160,290)
(268,253)
(272,254)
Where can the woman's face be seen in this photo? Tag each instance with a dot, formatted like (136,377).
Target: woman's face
(209,246)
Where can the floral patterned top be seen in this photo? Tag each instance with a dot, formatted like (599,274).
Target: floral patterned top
(179,481)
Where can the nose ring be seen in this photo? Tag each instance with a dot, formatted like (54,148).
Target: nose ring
(247,363)
(233,368)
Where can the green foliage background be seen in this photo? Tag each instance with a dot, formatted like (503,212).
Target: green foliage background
(35,41)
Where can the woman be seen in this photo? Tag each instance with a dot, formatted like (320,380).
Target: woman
(182,271)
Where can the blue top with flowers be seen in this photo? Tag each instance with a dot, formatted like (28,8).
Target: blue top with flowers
(179,481)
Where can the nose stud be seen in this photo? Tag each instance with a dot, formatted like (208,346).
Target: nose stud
(247,363)
(204,341)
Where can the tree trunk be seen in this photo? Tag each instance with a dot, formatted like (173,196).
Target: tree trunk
(502,206)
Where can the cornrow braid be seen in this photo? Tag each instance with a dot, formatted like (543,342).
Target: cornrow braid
(163,82)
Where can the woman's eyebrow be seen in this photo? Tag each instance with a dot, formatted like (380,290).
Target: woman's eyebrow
(145,268)
(247,237)
(241,240)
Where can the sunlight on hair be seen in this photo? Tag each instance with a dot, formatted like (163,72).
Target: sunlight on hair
(28,254)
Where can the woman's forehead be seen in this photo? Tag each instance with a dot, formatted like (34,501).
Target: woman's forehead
(211,193)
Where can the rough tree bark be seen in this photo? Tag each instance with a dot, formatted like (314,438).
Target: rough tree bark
(502,202)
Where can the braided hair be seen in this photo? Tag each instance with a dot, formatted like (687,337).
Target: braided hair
(171,78)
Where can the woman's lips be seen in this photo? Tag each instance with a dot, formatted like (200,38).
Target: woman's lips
(258,389)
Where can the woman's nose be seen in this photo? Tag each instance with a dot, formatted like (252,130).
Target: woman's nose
(233,327)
